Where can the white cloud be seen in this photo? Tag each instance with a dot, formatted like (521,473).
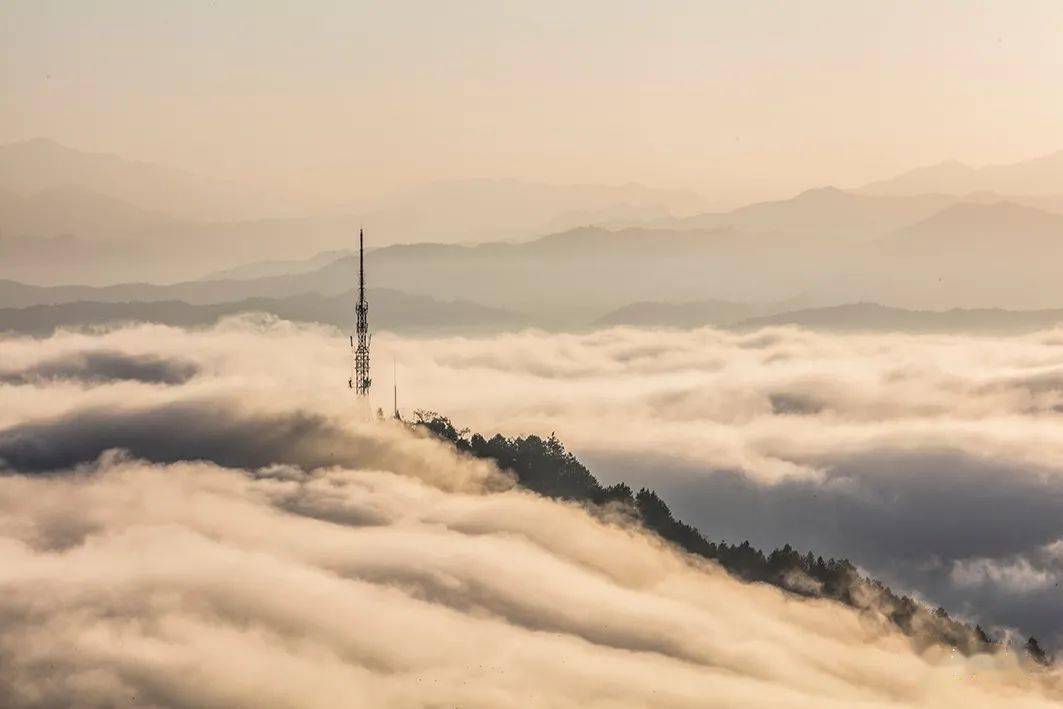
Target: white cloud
(191,585)
(1015,575)
(390,578)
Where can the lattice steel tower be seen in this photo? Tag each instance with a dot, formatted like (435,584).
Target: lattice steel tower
(360,380)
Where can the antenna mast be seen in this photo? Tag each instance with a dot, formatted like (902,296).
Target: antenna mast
(360,380)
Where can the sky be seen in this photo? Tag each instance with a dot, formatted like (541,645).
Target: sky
(737,101)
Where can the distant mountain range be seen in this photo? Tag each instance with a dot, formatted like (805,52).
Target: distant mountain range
(267,269)
(42,167)
(822,213)
(68,216)
(1002,229)
(165,224)
(968,255)
(872,317)
(851,317)
(563,279)
(694,314)
(483,210)
(971,255)
(70,209)
(395,311)
(1039,176)
(400,312)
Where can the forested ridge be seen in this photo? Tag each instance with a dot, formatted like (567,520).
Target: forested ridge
(543,465)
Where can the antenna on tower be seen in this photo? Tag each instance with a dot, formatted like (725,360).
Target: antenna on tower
(395,381)
(360,380)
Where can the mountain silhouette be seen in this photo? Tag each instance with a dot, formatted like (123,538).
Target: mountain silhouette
(1039,176)
(392,310)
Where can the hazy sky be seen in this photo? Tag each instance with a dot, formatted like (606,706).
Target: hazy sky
(732,99)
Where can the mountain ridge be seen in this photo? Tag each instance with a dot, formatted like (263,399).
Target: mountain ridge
(395,310)
(875,317)
(1035,176)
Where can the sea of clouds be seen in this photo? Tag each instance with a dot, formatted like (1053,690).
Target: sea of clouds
(252,543)
(935,462)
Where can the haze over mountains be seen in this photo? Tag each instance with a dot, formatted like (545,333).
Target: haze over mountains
(566,278)
(1039,176)
(40,165)
(825,212)
(400,311)
(691,314)
(130,220)
(920,241)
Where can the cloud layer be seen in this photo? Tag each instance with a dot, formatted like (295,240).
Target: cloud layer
(920,457)
(192,585)
(102,366)
(306,560)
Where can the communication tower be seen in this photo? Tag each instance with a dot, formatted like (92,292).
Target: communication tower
(361,339)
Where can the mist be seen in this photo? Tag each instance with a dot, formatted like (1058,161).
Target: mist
(930,460)
(132,149)
(926,459)
(189,584)
(252,544)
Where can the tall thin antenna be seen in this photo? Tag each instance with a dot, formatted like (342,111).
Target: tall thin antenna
(360,380)
(395,380)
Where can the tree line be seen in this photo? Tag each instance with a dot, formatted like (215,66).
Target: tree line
(543,465)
